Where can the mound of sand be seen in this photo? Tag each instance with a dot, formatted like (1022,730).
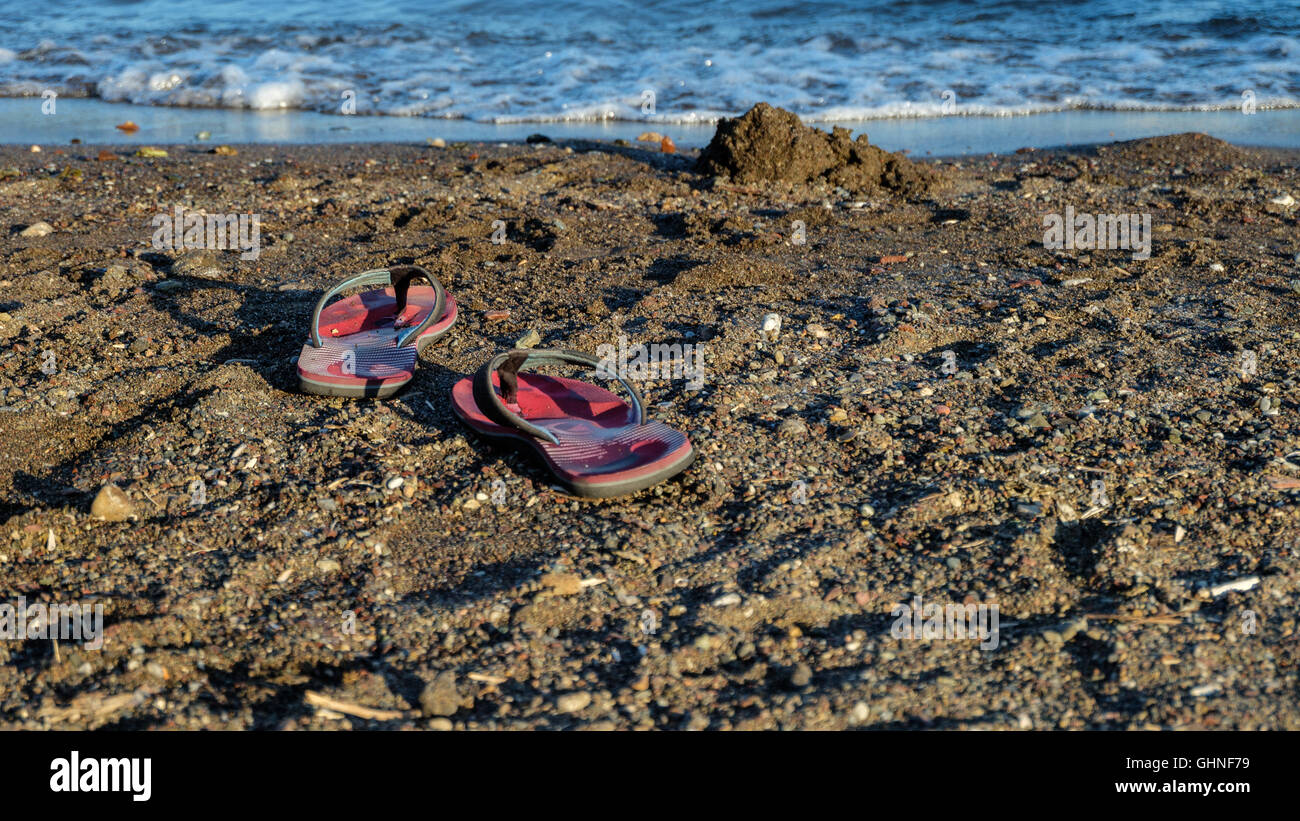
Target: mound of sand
(771,144)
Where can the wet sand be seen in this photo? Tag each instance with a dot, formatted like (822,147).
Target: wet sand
(844,468)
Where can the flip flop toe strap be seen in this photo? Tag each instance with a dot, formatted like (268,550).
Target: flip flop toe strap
(399,276)
(507,366)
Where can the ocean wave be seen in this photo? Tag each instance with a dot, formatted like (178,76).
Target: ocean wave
(653,62)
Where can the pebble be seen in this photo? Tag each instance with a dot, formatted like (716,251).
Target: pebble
(529,340)
(1217,267)
(772,327)
(328,565)
(801,676)
(37,229)
(573,702)
(441,696)
(111,504)
(394,483)
(792,427)
(727,600)
(438,142)
(817,332)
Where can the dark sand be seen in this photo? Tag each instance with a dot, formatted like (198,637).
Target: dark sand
(974,486)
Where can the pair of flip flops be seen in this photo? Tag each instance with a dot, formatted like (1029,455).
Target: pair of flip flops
(595,444)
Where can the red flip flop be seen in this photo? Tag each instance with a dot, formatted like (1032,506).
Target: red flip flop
(367,344)
(594,443)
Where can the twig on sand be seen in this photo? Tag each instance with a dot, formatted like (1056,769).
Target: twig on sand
(1162,619)
(317,700)
(1282,482)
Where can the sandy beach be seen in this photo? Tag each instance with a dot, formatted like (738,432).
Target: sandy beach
(1102,452)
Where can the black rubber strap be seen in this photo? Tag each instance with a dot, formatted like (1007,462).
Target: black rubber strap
(399,276)
(507,366)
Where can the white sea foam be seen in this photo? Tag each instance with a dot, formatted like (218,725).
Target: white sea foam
(589,61)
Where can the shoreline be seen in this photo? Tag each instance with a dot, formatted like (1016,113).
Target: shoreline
(93,121)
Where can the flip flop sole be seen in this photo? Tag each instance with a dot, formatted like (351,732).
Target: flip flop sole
(603,454)
(384,370)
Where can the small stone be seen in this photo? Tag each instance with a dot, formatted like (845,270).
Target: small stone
(792,427)
(111,504)
(437,142)
(37,229)
(532,139)
(225,151)
(772,327)
(441,697)
(150,152)
(866,511)
(394,483)
(203,135)
(1217,267)
(801,675)
(529,340)
(328,565)
(573,702)
(203,264)
(817,331)
(1038,422)
(727,600)
(860,713)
